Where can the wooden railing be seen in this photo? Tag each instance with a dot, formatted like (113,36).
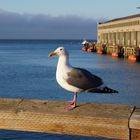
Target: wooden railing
(88,119)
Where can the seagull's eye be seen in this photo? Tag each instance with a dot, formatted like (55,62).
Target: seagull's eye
(61,49)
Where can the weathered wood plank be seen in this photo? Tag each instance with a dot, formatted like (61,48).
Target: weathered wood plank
(135,119)
(134,124)
(135,134)
(87,119)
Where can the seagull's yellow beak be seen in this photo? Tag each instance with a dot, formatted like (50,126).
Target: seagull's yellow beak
(52,54)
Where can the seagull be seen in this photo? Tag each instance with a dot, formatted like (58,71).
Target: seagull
(76,80)
(84,42)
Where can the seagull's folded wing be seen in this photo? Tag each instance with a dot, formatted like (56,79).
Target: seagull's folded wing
(83,79)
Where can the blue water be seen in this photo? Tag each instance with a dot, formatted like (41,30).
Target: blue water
(26,71)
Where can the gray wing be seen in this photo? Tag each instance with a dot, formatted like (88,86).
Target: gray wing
(83,79)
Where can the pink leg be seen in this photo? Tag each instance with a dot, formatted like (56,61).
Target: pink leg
(70,107)
(72,104)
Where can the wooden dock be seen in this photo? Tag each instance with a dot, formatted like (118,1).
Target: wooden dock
(88,119)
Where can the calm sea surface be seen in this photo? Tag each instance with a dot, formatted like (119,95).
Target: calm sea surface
(26,71)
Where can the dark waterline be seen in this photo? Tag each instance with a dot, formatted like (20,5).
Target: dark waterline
(27,72)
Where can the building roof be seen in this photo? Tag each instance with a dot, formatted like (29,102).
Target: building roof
(121,18)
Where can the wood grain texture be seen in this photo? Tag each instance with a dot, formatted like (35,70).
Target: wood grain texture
(134,124)
(135,119)
(88,119)
(135,134)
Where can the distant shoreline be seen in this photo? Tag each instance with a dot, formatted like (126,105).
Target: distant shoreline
(41,40)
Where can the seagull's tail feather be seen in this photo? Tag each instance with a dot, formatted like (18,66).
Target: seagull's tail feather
(103,90)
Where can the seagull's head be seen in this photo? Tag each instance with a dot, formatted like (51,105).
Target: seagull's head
(60,51)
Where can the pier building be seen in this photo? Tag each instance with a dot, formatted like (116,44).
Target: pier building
(120,32)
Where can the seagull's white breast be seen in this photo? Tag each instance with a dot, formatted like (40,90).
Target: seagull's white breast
(61,76)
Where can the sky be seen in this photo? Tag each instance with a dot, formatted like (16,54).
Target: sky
(59,19)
